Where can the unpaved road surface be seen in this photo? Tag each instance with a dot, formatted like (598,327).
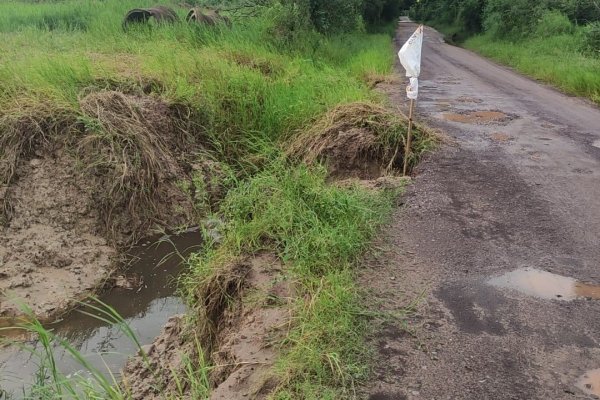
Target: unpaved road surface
(517,189)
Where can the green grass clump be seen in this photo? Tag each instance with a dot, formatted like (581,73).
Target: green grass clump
(319,231)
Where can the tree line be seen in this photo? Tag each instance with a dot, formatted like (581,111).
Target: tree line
(515,19)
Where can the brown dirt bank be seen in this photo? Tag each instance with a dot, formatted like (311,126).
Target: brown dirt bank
(80,186)
(245,310)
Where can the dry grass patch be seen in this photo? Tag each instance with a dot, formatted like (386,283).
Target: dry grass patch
(361,140)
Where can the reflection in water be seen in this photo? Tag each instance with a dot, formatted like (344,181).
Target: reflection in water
(146,309)
(590,382)
(545,285)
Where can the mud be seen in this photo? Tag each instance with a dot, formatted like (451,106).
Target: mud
(76,199)
(51,253)
(477,117)
(478,210)
(143,295)
(241,350)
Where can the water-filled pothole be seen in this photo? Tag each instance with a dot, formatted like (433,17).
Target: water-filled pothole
(590,382)
(545,285)
(145,306)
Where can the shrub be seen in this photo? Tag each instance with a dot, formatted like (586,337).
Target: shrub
(553,23)
(335,16)
(591,38)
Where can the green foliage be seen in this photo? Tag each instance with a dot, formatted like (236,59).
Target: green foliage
(553,23)
(510,18)
(592,38)
(378,11)
(333,16)
(507,19)
(555,59)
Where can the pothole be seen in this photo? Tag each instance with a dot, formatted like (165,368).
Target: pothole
(590,382)
(478,117)
(467,99)
(545,285)
(501,137)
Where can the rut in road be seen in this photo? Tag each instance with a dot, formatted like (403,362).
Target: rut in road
(517,189)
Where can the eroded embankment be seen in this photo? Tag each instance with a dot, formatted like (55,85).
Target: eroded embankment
(248,298)
(80,184)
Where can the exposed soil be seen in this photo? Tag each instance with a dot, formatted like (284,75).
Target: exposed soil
(481,208)
(241,347)
(51,251)
(76,195)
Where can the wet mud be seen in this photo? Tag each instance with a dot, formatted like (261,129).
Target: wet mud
(239,342)
(144,295)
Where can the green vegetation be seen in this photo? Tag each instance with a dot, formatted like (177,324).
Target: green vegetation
(552,59)
(238,97)
(557,41)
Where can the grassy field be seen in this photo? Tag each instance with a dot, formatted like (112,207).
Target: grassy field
(249,91)
(556,60)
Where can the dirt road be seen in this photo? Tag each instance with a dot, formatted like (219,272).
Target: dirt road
(517,190)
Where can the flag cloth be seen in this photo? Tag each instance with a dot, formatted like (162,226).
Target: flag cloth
(410,58)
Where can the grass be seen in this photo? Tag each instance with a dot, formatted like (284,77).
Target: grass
(319,231)
(244,94)
(556,60)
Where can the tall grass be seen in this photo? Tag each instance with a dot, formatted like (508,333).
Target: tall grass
(554,59)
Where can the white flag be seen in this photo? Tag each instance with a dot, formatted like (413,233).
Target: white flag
(410,57)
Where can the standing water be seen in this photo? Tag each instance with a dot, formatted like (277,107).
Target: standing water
(145,306)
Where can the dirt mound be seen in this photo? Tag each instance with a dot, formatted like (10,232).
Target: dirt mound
(354,140)
(78,187)
(245,310)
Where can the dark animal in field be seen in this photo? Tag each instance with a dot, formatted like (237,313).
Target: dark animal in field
(210,17)
(161,14)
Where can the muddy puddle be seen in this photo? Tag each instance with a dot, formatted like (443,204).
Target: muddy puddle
(145,298)
(477,117)
(545,285)
(590,382)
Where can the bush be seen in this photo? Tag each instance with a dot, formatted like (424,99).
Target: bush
(591,38)
(511,18)
(335,16)
(553,23)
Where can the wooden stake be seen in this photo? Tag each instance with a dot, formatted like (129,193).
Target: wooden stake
(408,136)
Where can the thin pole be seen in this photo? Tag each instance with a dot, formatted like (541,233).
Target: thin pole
(408,136)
